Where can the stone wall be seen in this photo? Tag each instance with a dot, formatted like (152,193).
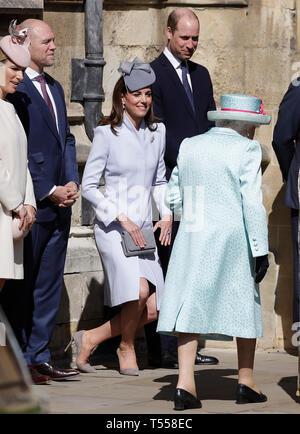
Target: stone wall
(248,49)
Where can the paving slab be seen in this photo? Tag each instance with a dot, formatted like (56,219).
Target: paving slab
(151,393)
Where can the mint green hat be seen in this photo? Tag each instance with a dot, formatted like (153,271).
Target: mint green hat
(245,108)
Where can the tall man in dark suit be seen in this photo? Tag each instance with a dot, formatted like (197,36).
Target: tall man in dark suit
(40,104)
(286,144)
(183,95)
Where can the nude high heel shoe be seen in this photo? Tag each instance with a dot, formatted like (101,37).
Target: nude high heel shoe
(77,339)
(127,371)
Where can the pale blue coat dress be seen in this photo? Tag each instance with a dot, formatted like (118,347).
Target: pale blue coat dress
(132,163)
(209,287)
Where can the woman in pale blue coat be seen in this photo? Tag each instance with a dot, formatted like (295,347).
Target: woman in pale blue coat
(128,151)
(220,251)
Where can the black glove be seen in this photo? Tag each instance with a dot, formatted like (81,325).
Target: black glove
(261,267)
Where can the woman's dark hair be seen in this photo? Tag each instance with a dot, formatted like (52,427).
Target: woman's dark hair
(115,118)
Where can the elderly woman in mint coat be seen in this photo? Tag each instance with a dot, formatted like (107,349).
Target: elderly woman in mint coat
(220,252)
(128,150)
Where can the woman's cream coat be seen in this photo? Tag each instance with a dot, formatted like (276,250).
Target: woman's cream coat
(15,188)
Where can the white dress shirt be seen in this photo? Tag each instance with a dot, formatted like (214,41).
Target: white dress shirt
(176,63)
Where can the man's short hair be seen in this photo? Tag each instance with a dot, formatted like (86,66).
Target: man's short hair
(175,16)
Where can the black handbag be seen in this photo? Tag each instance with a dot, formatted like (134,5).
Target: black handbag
(131,249)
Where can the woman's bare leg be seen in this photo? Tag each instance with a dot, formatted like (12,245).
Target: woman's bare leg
(113,328)
(187,348)
(246,353)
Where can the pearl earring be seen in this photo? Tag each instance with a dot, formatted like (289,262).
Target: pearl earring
(123,105)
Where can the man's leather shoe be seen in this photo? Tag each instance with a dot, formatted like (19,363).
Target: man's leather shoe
(169,360)
(205,360)
(54,373)
(36,377)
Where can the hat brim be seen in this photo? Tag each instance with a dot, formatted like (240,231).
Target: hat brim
(219,115)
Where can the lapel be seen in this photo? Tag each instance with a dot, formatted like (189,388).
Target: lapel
(176,81)
(59,103)
(38,100)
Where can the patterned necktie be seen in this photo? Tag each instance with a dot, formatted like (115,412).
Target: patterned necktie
(186,85)
(41,79)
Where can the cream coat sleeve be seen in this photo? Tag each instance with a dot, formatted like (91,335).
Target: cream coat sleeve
(29,194)
(10,194)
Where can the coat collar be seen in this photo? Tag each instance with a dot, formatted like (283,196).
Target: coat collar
(221,130)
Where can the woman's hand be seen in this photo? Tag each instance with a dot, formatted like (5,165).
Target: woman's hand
(31,211)
(133,230)
(165,225)
(22,214)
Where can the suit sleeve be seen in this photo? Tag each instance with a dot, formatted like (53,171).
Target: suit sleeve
(71,166)
(159,184)
(253,208)
(287,129)
(157,101)
(104,204)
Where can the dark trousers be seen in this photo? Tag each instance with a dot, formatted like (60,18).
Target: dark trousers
(156,343)
(295,228)
(31,305)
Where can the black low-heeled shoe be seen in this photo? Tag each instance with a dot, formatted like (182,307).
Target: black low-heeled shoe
(184,400)
(246,395)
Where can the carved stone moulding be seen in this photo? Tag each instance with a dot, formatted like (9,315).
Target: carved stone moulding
(6,5)
(18,9)
(179,2)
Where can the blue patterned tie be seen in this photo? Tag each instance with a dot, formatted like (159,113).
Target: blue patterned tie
(186,85)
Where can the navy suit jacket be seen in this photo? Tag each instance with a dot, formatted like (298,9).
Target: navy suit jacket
(286,142)
(51,154)
(172,106)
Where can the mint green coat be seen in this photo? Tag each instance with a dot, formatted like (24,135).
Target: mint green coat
(209,287)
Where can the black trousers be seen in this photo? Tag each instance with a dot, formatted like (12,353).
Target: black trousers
(295,224)
(159,343)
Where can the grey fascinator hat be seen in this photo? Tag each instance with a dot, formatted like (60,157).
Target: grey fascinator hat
(137,74)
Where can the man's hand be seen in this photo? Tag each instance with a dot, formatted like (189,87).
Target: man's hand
(65,196)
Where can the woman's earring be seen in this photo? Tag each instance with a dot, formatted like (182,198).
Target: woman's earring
(123,105)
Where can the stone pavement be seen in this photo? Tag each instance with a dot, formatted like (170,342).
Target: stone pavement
(108,392)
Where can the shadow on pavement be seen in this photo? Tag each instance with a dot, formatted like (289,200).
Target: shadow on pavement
(289,385)
(210,383)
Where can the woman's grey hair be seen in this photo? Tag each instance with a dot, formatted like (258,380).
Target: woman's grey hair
(239,126)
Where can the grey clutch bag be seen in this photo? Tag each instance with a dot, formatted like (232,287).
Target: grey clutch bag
(130,249)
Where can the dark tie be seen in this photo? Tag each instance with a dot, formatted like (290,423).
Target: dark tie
(41,79)
(186,85)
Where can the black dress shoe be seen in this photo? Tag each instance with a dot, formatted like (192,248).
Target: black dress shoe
(246,395)
(55,374)
(205,360)
(184,400)
(37,378)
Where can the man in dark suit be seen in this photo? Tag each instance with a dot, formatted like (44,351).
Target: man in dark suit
(286,144)
(40,104)
(182,95)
